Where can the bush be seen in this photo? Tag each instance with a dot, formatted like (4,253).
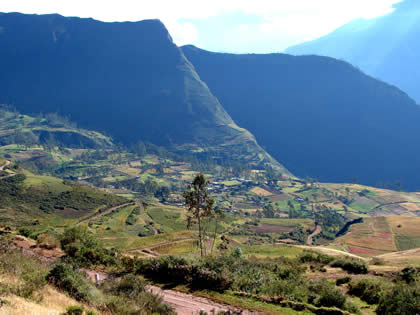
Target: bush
(209,279)
(328,294)
(129,286)
(350,265)
(341,281)
(409,274)
(402,300)
(29,271)
(73,282)
(313,257)
(377,261)
(84,248)
(168,269)
(127,295)
(369,290)
(74,310)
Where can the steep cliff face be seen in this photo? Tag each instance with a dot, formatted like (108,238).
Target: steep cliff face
(127,79)
(319,116)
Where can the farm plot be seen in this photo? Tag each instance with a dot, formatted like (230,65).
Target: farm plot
(406,231)
(282,225)
(261,191)
(167,221)
(371,237)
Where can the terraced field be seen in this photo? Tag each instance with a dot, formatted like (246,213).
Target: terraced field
(381,235)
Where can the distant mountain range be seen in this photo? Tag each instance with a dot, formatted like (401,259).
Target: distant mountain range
(319,116)
(126,79)
(322,117)
(385,47)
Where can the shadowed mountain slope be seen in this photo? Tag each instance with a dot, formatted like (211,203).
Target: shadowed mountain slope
(319,116)
(127,79)
(385,47)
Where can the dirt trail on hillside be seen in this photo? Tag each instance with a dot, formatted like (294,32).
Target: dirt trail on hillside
(318,230)
(183,304)
(4,165)
(186,304)
(99,214)
(331,252)
(2,169)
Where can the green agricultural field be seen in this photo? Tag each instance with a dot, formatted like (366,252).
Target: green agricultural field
(165,220)
(271,251)
(306,223)
(231,183)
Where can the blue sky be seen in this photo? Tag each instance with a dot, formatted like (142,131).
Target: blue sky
(238,26)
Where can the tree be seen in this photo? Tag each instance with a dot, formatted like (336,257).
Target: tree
(268,210)
(162,193)
(200,208)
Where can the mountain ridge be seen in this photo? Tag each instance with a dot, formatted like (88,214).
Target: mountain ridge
(383,47)
(126,78)
(322,117)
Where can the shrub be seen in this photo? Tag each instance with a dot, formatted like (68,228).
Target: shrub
(313,257)
(369,290)
(209,279)
(127,295)
(73,282)
(402,300)
(328,294)
(129,286)
(168,269)
(377,261)
(84,248)
(74,310)
(350,265)
(409,274)
(29,271)
(341,281)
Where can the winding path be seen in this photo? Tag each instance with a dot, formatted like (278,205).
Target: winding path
(2,169)
(106,211)
(317,230)
(4,165)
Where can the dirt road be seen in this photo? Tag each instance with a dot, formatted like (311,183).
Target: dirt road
(186,304)
(2,169)
(99,214)
(4,165)
(318,230)
(331,251)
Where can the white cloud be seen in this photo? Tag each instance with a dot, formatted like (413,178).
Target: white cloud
(298,19)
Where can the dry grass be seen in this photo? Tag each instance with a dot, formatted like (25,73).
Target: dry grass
(53,302)
(406,231)
(405,225)
(403,258)
(410,206)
